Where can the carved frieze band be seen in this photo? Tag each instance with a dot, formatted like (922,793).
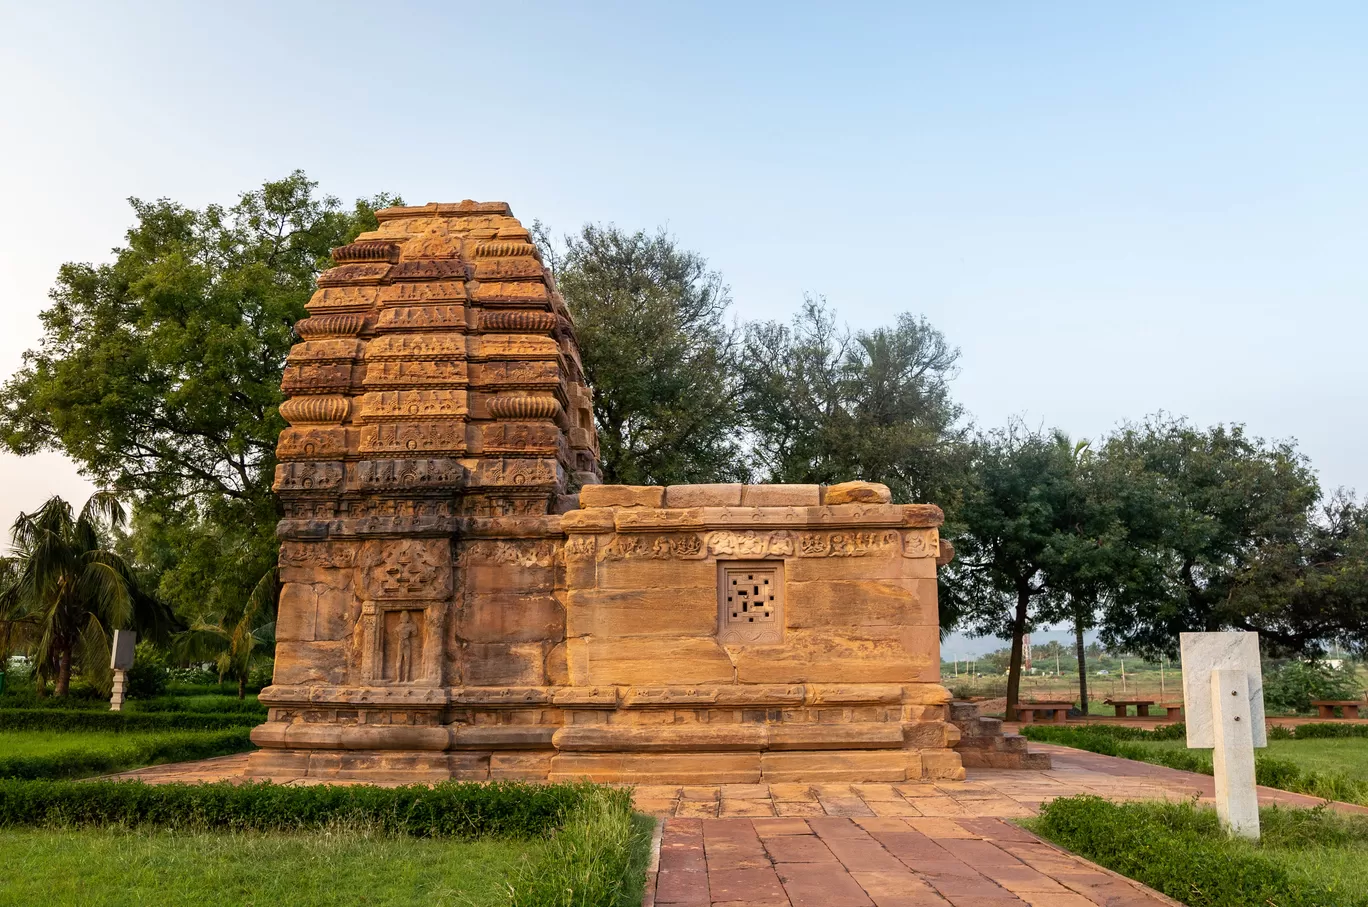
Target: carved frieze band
(512,552)
(751,544)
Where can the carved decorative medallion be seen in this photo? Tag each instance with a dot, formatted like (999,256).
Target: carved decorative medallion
(750,602)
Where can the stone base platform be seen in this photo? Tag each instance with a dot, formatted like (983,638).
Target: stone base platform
(891,765)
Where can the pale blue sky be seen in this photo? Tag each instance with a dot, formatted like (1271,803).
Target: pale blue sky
(1111,209)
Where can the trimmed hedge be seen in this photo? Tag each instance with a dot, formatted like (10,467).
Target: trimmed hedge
(28,699)
(77,720)
(1181,851)
(200,704)
(1322,730)
(447,810)
(170,747)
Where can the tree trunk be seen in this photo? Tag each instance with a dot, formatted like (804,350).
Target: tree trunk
(1082,665)
(242,686)
(1014,670)
(63,673)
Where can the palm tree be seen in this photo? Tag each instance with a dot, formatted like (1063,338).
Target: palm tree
(64,591)
(237,642)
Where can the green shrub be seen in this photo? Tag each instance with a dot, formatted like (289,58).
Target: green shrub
(447,810)
(196,676)
(1322,730)
(1177,849)
(77,720)
(1290,687)
(176,746)
(28,698)
(148,676)
(1176,731)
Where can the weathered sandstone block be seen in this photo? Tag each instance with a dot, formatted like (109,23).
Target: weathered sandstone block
(856,493)
(684,496)
(781,496)
(622,496)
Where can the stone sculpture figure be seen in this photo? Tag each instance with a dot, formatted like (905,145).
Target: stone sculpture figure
(441,453)
(403,646)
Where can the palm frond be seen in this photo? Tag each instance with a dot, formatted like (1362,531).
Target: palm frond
(91,655)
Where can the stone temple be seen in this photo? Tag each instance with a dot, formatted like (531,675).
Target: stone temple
(463,599)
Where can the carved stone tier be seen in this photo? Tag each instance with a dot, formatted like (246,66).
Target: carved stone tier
(462,599)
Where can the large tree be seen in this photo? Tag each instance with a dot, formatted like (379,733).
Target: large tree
(1018,523)
(826,405)
(65,592)
(159,374)
(657,349)
(1204,508)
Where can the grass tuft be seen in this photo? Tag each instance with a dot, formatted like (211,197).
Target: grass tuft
(596,860)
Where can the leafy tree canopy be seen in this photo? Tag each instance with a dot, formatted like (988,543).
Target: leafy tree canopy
(826,405)
(1202,508)
(656,347)
(159,374)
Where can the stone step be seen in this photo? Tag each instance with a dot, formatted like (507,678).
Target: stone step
(963,712)
(991,726)
(1013,743)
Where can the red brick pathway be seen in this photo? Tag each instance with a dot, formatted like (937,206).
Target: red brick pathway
(876,862)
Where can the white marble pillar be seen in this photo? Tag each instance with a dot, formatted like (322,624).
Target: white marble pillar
(1237,799)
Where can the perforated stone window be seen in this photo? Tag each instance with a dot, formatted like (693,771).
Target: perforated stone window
(750,601)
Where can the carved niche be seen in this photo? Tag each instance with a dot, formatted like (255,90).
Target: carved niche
(408,584)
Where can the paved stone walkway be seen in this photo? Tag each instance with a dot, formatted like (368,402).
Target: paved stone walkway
(876,862)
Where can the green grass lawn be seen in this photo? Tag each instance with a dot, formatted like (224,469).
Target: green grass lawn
(83,754)
(109,867)
(1345,756)
(50,743)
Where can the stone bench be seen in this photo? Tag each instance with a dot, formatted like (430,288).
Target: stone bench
(1173,710)
(1025,711)
(1325,708)
(1141,706)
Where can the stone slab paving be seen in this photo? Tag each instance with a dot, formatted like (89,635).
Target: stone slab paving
(871,861)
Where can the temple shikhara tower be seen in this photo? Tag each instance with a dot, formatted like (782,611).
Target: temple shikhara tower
(463,599)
